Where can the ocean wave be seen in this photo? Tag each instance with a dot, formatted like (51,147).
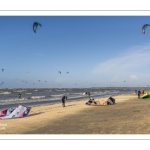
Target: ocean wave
(57,95)
(36,97)
(19,91)
(1,92)
(59,90)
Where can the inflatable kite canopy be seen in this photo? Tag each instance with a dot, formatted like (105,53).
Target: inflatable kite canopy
(144,28)
(18,112)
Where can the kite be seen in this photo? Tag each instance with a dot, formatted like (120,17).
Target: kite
(67,72)
(19,112)
(144,28)
(35,25)
(59,72)
(2,83)
(2,70)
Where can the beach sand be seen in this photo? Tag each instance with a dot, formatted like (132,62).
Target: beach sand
(128,116)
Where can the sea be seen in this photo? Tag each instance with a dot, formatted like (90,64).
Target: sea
(38,96)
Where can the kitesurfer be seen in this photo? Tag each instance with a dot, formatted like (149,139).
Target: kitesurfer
(19,96)
(63,100)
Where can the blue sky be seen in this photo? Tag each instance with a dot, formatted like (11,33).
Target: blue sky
(97,51)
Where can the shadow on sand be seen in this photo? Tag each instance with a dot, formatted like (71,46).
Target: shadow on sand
(35,114)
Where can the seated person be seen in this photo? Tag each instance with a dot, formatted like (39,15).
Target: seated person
(91,100)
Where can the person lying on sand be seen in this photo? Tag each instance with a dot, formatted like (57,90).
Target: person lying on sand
(109,101)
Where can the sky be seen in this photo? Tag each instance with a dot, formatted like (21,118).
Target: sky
(97,51)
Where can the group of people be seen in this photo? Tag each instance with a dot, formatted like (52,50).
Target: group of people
(109,101)
(139,93)
(64,98)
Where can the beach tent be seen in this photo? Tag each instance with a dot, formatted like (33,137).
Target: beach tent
(146,95)
(18,112)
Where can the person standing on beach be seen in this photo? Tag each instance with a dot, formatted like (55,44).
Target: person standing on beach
(139,92)
(63,100)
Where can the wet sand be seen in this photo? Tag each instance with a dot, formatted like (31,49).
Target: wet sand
(128,116)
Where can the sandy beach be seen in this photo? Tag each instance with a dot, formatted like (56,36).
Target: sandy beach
(128,116)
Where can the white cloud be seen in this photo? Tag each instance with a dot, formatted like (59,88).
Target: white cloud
(131,64)
(137,57)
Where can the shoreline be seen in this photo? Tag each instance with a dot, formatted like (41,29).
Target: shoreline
(51,118)
(39,103)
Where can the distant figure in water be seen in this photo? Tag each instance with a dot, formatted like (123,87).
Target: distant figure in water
(64,98)
(139,92)
(19,96)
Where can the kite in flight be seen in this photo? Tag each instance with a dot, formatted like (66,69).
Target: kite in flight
(35,25)
(2,70)
(59,72)
(144,28)
(2,83)
(67,72)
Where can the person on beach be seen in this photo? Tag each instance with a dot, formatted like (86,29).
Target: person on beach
(64,98)
(19,96)
(143,91)
(139,92)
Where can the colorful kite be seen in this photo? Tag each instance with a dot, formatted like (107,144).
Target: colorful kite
(35,25)
(144,28)
(19,112)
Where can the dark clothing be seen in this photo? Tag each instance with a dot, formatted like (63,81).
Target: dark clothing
(63,100)
(19,95)
(139,92)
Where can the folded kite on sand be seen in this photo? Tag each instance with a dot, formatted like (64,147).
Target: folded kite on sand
(18,112)
(92,102)
(146,95)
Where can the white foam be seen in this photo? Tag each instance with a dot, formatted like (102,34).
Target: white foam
(34,97)
(5,92)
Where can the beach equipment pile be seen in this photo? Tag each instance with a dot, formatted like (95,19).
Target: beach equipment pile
(18,112)
(146,95)
(92,102)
